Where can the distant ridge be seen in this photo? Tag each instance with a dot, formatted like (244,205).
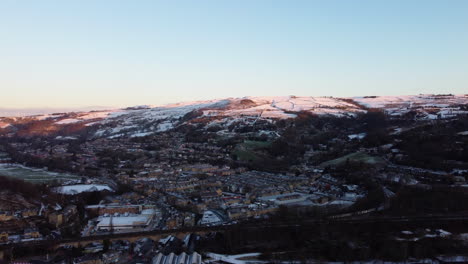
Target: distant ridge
(16,112)
(227,113)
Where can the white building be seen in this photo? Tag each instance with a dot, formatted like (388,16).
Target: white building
(183,258)
(211,217)
(126,221)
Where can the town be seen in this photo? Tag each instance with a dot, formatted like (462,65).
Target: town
(195,176)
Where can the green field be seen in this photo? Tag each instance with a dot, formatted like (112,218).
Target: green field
(34,175)
(247,151)
(354,157)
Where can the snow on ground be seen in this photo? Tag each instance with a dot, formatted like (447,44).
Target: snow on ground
(443,233)
(428,233)
(276,114)
(431,107)
(141,134)
(46,116)
(116,136)
(65,138)
(4,125)
(79,188)
(122,128)
(67,121)
(411,100)
(95,115)
(357,136)
(165,126)
(251,109)
(123,220)
(283,107)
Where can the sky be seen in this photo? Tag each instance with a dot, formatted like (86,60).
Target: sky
(124,53)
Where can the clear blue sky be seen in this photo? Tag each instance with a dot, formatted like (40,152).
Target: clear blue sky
(119,53)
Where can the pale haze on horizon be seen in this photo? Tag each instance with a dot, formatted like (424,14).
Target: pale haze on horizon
(71,54)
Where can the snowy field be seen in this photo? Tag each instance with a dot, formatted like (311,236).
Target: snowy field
(34,175)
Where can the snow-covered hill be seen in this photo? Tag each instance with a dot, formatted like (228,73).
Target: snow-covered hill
(221,112)
(142,121)
(428,106)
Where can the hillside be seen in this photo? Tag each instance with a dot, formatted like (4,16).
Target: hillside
(145,120)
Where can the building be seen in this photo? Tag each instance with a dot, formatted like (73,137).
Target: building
(88,259)
(29,212)
(183,258)
(285,199)
(5,216)
(56,218)
(101,209)
(32,233)
(3,237)
(126,221)
(212,217)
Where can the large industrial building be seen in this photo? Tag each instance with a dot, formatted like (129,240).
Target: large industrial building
(183,258)
(126,221)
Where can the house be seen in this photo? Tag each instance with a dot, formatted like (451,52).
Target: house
(3,237)
(32,233)
(206,196)
(29,212)
(56,218)
(5,216)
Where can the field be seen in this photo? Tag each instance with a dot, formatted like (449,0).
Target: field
(247,151)
(34,175)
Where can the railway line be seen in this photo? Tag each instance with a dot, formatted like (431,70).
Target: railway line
(353,220)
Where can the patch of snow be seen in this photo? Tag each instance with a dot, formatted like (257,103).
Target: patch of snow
(123,220)
(141,134)
(4,125)
(443,233)
(357,136)
(453,259)
(65,138)
(47,116)
(67,121)
(79,188)
(94,115)
(164,126)
(116,136)
(424,104)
